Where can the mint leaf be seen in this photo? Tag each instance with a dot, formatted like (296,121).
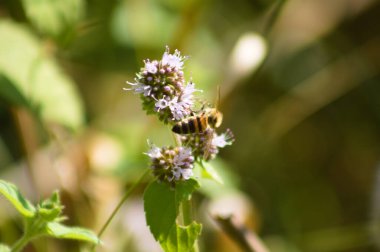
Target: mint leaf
(58,230)
(161,204)
(160,209)
(182,238)
(184,189)
(35,78)
(12,193)
(208,171)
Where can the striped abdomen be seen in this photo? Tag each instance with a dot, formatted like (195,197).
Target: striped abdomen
(199,123)
(194,124)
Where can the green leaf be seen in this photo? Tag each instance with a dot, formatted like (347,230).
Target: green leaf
(182,238)
(32,77)
(184,189)
(58,230)
(161,204)
(208,171)
(54,17)
(160,209)
(11,94)
(4,248)
(12,193)
(210,187)
(51,208)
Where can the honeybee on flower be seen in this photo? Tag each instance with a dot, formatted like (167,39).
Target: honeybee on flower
(165,93)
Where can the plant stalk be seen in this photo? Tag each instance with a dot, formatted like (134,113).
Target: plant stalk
(21,243)
(125,197)
(32,230)
(186,212)
(187,219)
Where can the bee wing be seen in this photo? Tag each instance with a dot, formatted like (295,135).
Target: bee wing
(217,97)
(207,155)
(209,148)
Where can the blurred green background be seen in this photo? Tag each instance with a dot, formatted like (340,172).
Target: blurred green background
(300,89)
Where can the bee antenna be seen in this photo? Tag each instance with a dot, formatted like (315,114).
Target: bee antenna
(217,97)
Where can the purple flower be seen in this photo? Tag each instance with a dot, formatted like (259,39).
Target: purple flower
(174,60)
(162,87)
(206,145)
(171,164)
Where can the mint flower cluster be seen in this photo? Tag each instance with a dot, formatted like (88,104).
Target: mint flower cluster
(163,89)
(171,164)
(206,145)
(164,92)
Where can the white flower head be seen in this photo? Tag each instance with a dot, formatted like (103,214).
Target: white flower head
(183,164)
(183,157)
(139,88)
(173,60)
(151,67)
(184,173)
(162,87)
(206,145)
(223,140)
(171,164)
(177,114)
(161,104)
(154,151)
(179,109)
(219,141)
(187,94)
(190,89)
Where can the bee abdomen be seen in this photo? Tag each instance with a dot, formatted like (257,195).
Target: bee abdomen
(181,128)
(202,124)
(178,128)
(192,125)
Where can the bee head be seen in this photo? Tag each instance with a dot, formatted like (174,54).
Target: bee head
(218,118)
(215,118)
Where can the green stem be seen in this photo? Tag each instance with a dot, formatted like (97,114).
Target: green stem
(187,218)
(186,212)
(32,230)
(125,197)
(20,244)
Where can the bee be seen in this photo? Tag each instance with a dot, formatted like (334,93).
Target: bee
(198,123)
(202,120)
